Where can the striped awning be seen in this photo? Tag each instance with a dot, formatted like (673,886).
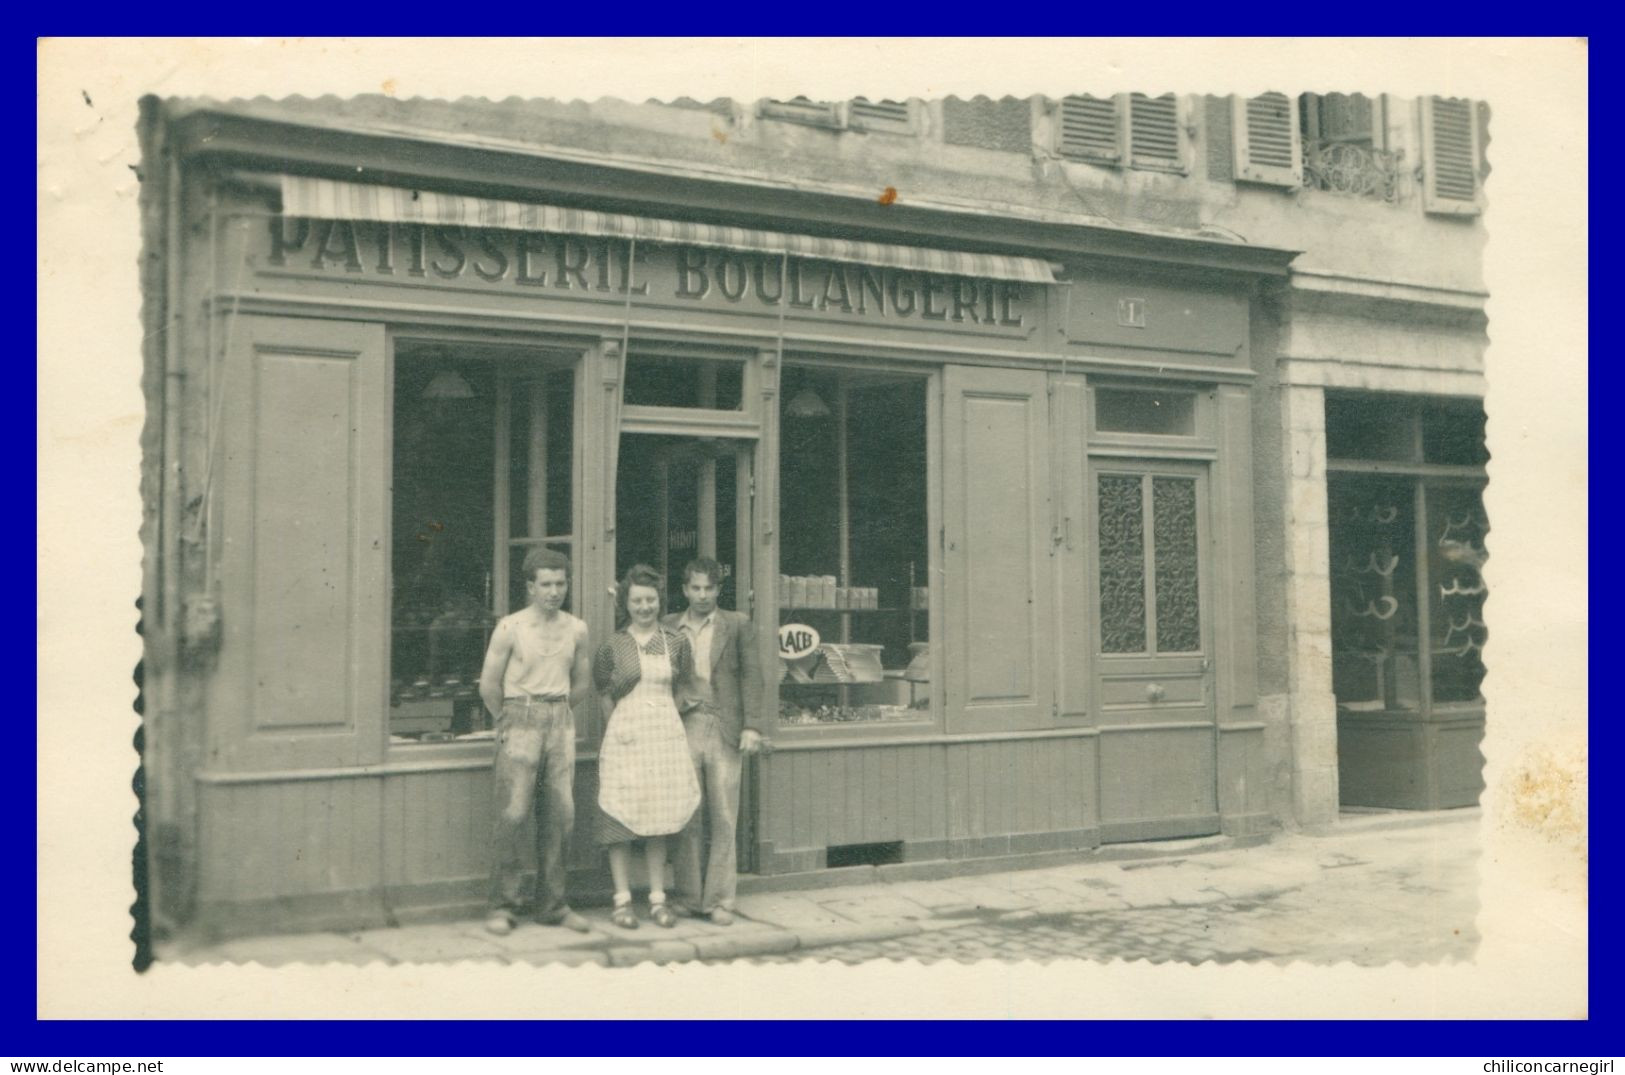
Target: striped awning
(334,200)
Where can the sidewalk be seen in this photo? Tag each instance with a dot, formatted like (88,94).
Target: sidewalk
(1371,889)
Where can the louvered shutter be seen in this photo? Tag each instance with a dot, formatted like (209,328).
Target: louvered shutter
(1154,131)
(1269,147)
(892,116)
(1090,129)
(803,110)
(1449,156)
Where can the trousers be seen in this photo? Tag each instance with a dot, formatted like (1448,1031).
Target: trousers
(534,775)
(718,767)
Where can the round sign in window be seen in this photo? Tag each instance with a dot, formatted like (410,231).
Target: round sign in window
(797,640)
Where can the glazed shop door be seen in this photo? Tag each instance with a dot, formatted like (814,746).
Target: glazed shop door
(1154,699)
(677,498)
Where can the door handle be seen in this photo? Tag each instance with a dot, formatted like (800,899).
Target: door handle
(1154,692)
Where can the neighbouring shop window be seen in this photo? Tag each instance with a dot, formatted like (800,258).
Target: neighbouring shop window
(854,588)
(1407,546)
(483,464)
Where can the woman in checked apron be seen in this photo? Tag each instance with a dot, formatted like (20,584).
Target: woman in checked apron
(647,789)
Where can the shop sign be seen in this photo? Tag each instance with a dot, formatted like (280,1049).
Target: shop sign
(797,640)
(669,276)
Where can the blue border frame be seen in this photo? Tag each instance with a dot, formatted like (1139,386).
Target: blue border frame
(23,1035)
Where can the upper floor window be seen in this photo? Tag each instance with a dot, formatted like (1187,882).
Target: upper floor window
(1339,142)
(858,114)
(1130,130)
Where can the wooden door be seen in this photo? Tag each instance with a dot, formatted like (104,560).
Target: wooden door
(1154,698)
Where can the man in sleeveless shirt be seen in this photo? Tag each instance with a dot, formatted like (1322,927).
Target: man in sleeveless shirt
(536,668)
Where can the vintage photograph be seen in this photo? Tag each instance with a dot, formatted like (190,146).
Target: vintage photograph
(814,529)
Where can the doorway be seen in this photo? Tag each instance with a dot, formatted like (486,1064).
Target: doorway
(681,497)
(1153,597)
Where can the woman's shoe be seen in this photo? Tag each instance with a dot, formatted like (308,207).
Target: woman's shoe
(661,916)
(622,916)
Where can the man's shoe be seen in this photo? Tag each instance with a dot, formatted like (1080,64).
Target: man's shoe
(499,922)
(684,910)
(722,917)
(568,919)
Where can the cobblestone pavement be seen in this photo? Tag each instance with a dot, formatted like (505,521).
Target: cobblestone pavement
(1371,891)
(1222,932)
(1367,901)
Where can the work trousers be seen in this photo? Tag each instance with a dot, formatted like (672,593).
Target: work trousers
(534,774)
(718,767)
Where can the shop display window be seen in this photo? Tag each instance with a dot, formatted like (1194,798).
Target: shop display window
(854,585)
(1407,546)
(483,463)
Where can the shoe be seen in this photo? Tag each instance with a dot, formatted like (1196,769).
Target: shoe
(661,916)
(568,919)
(499,922)
(684,910)
(622,916)
(722,917)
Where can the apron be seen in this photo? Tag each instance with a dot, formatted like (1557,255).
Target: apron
(646,775)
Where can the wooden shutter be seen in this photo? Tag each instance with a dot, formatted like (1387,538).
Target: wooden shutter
(1154,131)
(803,110)
(1070,539)
(1269,147)
(302,679)
(887,116)
(1449,156)
(1090,128)
(998,652)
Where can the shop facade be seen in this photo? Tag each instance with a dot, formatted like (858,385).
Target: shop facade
(986,487)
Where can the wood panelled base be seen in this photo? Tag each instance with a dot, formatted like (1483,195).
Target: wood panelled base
(1408,763)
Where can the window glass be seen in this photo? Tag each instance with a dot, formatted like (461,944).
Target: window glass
(458,411)
(1456,528)
(1370,427)
(1374,616)
(541,410)
(658,381)
(1174,553)
(1454,434)
(1120,503)
(854,561)
(1133,410)
(678,498)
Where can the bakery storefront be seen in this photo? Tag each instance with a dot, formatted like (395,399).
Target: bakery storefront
(986,490)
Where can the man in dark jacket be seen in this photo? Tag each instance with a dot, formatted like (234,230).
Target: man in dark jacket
(724,720)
